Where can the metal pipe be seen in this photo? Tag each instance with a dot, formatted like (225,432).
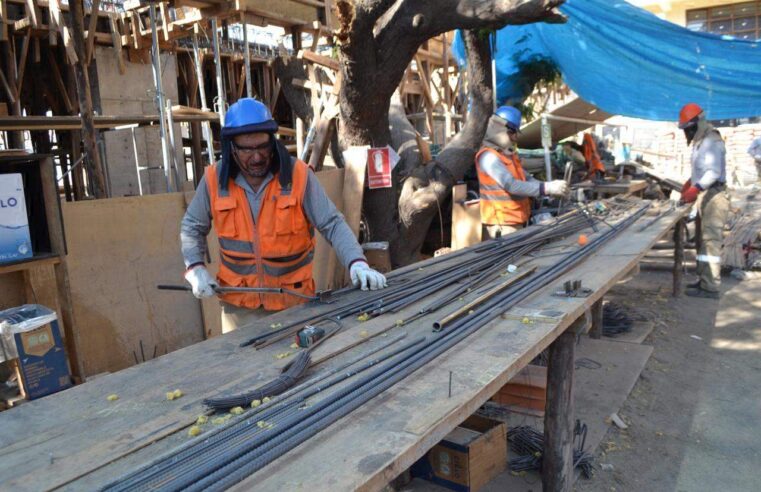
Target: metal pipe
(221,97)
(156,56)
(247,57)
(202,94)
(440,324)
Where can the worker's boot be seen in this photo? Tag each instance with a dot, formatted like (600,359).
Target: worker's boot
(698,292)
(693,285)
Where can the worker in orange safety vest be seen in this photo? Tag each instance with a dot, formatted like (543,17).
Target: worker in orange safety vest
(504,187)
(264,206)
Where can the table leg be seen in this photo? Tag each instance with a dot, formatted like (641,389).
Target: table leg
(678,272)
(597,312)
(557,463)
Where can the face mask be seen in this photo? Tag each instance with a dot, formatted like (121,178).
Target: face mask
(690,132)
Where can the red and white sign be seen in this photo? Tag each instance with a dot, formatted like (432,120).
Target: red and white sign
(380,162)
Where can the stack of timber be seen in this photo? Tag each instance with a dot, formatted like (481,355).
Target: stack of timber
(742,247)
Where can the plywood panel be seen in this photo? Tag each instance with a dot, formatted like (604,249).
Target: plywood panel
(119,250)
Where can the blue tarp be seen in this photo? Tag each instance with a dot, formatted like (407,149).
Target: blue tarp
(627,61)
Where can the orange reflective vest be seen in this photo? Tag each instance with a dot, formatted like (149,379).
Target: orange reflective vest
(592,158)
(497,206)
(276,250)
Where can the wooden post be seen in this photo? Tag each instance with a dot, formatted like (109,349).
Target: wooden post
(15,138)
(557,463)
(597,312)
(89,137)
(678,257)
(58,245)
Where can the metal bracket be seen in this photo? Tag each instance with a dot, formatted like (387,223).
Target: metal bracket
(573,288)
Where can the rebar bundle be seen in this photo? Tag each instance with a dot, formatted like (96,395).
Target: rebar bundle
(229,454)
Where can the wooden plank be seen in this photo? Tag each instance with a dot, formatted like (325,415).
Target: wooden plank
(58,79)
(33,11)
(3,20)
(58,246)
(92,27)
(24,265)
(387,435)
(22,63)
(57,18)
(9,92)
(118,301)
(321,60)
(117,43)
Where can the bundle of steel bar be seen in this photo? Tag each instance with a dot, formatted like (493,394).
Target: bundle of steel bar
(246,445)
(481,265)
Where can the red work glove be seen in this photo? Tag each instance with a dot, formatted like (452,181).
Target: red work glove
(691,194)
(686,186)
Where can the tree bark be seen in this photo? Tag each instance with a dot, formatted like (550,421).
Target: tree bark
(377,40)
(89,138)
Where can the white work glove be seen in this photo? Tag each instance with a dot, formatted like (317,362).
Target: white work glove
(201,281)
(362,275)
(556,188)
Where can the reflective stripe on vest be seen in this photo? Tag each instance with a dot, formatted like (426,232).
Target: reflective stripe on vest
(275,250)
(498,207)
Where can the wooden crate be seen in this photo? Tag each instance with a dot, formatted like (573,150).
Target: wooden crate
(526,392)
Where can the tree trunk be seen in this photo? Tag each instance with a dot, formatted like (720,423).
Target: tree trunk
(378,39)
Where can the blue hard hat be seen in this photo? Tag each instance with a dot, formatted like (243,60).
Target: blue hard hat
(248,115)
(511,115)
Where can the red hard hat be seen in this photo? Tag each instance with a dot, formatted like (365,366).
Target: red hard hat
(689,112)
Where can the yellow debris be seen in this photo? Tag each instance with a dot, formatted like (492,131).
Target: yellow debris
(283,355)
(266,399)
(363,317)
(194,431)
(256,403)
(471,312)
(276,325)
(294,345)
(112,397)
(220,420)
(170,395)
(399,322)
(236,410)
(202,419)
(261,424)
(363,333)
(177,393)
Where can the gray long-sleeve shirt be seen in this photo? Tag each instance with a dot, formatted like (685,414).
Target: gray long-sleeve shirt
(490,163)
(318,208)
(709,161)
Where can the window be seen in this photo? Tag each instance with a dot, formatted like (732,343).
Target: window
(741,20)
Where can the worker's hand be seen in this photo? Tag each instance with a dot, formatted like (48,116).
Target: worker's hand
(556,188)
(201,281)
(365,277)
(686,186)
(691,194)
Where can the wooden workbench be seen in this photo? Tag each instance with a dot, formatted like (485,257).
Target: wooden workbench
(79,440)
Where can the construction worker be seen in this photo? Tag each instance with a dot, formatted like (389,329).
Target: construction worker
(504,187)
(706,186)
(264,206)
(595,167)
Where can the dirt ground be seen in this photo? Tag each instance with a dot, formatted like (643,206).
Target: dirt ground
(695,414)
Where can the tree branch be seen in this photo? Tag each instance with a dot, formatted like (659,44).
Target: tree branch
(429,186)
(414,22)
